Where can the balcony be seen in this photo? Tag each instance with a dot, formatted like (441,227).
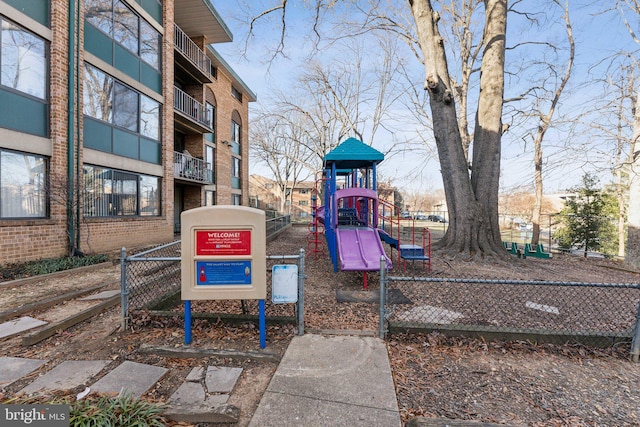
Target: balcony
(193,59)
(189,112)
(189,168)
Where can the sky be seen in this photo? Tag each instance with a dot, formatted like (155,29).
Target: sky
(598,37)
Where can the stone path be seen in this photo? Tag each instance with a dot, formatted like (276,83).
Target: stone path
(202,398)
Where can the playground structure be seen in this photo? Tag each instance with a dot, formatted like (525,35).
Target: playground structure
(353,219)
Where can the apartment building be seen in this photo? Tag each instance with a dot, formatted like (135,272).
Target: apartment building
(294,200)
(117,115)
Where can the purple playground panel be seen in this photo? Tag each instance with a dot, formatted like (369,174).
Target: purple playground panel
(360,249)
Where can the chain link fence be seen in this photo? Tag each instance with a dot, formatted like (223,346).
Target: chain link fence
(596,314)
(151,281)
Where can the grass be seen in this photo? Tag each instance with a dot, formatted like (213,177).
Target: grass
(48,265)
(100,411)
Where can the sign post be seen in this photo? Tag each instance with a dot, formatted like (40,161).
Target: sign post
(223,258)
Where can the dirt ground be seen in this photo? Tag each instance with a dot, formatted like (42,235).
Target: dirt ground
(458,378)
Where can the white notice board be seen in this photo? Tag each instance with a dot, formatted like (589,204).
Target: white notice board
(284,283)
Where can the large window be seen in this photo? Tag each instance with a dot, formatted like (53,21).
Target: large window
(23,182)
(235,167)
(106,99)
(123,25)
(210,115)
(23,60)
(210,159)
(109,192)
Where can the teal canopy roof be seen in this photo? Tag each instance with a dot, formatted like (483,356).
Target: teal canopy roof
(352,154)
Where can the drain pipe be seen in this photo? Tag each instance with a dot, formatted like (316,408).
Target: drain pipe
(70,128)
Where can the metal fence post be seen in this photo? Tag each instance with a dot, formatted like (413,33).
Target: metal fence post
(635,344)
(124,292)
(382,296)
(301,277)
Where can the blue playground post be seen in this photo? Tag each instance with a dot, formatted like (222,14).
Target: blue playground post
(187,322)
(262,322)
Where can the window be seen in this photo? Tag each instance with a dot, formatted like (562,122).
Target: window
(23,60)
(303,190)
(98,94)
(108,100)
(150,44)
(236,199)
(303,203)
(149,118)
(109,192)
(125,106)
(236,94)
(209,158)
(23,181)
(210,115)
(235,167)
(235,132)
(124,26)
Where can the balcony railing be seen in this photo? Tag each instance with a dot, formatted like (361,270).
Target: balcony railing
(191,51)
(190,168)
(189,106)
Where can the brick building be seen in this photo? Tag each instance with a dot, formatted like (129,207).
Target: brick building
(117,115)
(264,193)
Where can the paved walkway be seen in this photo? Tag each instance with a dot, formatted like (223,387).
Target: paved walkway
(331,381)
(321,381)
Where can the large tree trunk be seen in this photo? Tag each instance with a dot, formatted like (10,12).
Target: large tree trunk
(472,200)
(633,232)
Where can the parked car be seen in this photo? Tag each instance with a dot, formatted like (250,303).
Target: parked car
(420,217)
(405,215)
(436,218)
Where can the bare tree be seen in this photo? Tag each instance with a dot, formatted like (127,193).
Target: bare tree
(544,124)
(632,8)
(279,143)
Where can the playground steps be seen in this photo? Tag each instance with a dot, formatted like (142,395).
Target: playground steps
(528,250)
(407,251)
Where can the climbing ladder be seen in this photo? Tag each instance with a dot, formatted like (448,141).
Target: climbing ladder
(315,235)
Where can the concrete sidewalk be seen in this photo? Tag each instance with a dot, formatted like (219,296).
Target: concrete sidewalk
(331,381)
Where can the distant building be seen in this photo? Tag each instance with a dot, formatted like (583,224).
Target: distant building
(294,199)
(116,117)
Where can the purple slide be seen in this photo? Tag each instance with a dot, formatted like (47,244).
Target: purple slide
(360,249)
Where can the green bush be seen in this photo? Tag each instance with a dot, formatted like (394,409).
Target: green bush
(100,411)
(48,265)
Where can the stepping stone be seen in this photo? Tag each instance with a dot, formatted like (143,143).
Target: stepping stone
(221,379)
(67,375)
(101,295)
(14,368)
(195,375)
(130,378)
(14,327)
(187,394)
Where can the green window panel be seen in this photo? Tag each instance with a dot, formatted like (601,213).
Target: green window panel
(125,144)
(235,148)
(126,62)
(35,9)
(150,77)
(25,115)
(153,7)
(98,43)
(150,151)
(235,183)
(209,137)
(97,135)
